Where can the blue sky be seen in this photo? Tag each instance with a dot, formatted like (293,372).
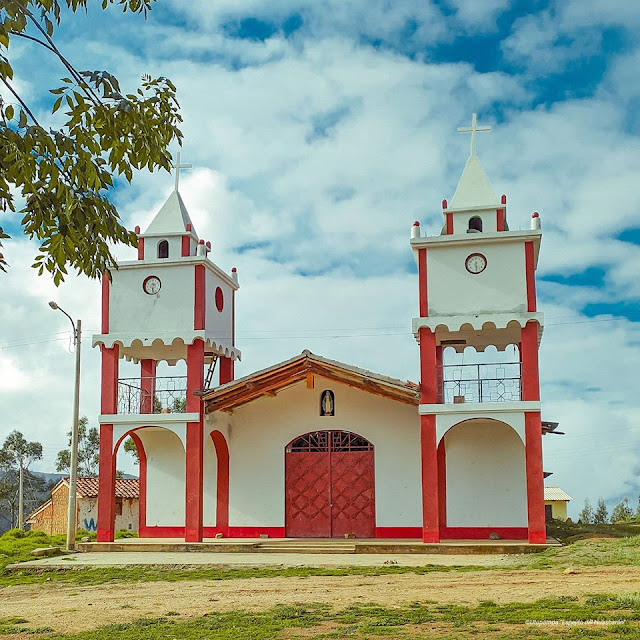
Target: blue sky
(320,131)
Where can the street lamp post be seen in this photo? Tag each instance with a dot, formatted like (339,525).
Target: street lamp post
(73,470)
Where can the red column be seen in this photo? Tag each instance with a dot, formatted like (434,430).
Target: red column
(106,486)
(107,468)
(429,454)
(422,281)
(430,510)
(529,360)
(147,385)
(194,450)
(226,370)
(535,478)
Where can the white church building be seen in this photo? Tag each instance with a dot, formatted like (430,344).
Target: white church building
(311,447)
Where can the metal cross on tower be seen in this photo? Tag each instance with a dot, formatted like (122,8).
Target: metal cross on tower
(177,166)
(473,129)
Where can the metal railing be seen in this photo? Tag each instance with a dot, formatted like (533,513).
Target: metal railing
(500,382)
(152,395)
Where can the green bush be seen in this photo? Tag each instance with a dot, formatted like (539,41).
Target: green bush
(125,533)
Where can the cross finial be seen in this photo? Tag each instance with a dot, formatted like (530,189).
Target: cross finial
(473,129)
(177,166)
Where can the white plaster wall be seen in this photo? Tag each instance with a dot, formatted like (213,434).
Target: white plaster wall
(218,323)
(501,287)
(165,477)
(88,514)
(489,220)
(444,421)
(486,476)
(259,432)
(151,248)
(133,311)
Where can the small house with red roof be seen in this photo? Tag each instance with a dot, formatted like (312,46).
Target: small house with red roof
(51,517)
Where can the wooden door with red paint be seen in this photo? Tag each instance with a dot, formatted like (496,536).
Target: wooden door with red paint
(330,486)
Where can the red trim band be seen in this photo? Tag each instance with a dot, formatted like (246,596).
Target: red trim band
(500,219)
(399,532)
(531,276)
(483,533)
(256,532)
(449,221)
(162,532)
(140,248)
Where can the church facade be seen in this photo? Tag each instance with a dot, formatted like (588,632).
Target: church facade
(315,448)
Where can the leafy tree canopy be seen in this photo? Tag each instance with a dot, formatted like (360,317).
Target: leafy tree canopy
(88,451)
(586,515)
(59,179)
(601,514)
(16,452)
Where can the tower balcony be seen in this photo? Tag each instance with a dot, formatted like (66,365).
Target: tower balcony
(474,383)
(152,395)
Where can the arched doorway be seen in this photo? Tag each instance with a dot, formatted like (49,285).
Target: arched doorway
(330,486)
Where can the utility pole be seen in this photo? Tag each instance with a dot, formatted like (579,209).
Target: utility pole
(21,497)
(73,471)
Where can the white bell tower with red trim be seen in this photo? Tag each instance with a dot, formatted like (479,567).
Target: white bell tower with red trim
(171,304)
(481,434)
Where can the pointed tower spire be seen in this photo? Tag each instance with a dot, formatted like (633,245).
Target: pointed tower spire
(474,188)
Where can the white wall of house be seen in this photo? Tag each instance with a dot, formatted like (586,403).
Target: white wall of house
(88,514)
(486,476)
(259,431)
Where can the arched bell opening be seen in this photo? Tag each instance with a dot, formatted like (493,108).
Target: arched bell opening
(475,224)
(163,249)
(330,486)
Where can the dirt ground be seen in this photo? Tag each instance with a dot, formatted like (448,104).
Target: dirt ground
(76,608)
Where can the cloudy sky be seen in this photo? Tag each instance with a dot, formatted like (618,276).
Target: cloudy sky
(318,132)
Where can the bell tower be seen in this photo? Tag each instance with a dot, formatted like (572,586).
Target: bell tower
(171,304)
(480,409)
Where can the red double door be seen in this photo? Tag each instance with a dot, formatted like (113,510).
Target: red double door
(330,486)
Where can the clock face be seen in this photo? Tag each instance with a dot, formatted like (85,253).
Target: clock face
(151,285)
(476,263)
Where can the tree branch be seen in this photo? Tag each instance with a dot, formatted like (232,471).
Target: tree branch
(21,101)
(24,35)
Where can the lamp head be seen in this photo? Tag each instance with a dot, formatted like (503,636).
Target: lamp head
(53,305)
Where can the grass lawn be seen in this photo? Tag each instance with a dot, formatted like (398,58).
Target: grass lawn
(16,547)
(566,617)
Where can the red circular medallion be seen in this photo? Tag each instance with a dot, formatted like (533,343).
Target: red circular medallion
(219,299)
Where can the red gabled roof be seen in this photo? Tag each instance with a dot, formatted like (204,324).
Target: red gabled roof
(307,365)
(125,487)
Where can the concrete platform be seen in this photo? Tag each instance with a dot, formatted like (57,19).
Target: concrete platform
(311,546)
(239,560)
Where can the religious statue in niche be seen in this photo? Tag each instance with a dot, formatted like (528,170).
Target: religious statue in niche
(327,403)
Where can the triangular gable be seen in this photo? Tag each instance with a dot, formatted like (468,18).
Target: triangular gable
(474,188)
(172,218)
(305,367)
